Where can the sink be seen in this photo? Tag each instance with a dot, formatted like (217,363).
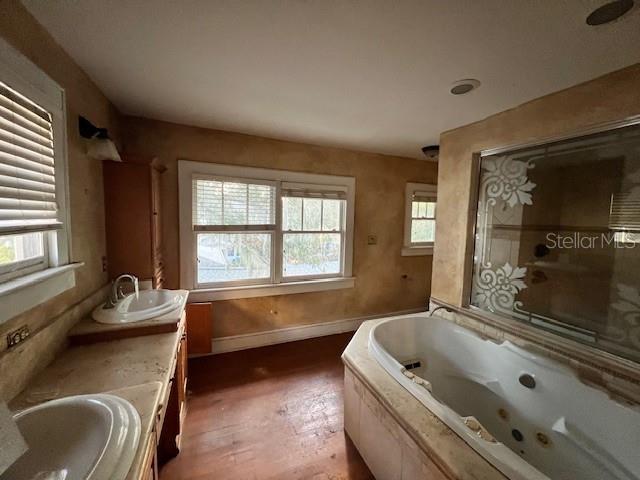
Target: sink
(143,306)
(84,437)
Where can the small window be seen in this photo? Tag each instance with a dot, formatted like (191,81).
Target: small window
(250,227)
(420,219)
(30,193)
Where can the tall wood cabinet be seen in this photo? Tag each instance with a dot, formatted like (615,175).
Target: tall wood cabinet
(132,206)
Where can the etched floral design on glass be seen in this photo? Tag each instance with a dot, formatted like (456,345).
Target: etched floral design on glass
(507,179)
(627,308)
(496,289)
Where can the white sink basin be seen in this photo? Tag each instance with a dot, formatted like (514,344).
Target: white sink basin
(85,437)
(135,308)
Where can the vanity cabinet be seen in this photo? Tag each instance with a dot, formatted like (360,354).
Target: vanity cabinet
(133,218)
(150,462)
(171,425)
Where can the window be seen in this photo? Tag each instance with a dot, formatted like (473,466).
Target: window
(234,222)
(252,232)
(420,219)
(33,217)
(28,208)
(313,231)
(556,244)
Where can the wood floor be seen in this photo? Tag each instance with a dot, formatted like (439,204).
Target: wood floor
(268,413)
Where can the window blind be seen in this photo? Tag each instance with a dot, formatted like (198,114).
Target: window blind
(314,191)
(27,171)
(232,205)
(625,212)
(424,197)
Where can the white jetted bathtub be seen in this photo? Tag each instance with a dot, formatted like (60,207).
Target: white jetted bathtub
(531,417)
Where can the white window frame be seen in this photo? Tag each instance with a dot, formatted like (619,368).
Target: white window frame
(269,229)
(40,279)
(277,284)
(411,249)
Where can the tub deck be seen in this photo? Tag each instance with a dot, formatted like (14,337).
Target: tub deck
(406,419)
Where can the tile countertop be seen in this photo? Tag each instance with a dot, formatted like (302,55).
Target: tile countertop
(436,439)
(138,369)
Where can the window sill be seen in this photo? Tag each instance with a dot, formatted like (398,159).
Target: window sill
(23,293)
(416,251)
(251,291)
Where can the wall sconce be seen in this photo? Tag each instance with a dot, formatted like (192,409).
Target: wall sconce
(99,145)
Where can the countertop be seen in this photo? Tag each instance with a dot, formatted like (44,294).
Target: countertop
(433,436)
(137,369)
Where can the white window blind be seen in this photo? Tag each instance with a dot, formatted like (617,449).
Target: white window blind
(313,191)
(625,211)
(429,197)
(27,173)
(220,204)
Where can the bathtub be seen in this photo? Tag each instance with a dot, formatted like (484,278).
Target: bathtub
(529,416)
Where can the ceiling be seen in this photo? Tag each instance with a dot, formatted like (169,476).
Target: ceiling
(371,75)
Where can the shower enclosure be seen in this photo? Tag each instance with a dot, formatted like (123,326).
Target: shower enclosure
(557,240)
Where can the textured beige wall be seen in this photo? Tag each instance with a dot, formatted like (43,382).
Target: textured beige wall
(380,183)
(612,97)
(22,31)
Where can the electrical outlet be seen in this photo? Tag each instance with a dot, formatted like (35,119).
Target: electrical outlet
(104,263)
(372,239)
(17,336)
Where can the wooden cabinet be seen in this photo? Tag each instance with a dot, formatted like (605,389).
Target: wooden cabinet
(133,212)
(150,463)
(199,327)
(171,425)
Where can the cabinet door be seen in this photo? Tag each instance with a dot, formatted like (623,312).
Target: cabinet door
(199,327)
(181,376)
(150,465)
(127,194)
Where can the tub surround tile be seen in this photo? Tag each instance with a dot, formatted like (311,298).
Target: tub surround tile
(352,402)
(379,442)
(405,421)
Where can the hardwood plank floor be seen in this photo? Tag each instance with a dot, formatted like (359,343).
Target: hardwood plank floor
(269,413)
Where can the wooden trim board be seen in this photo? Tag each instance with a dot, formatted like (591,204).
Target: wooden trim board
(291,334)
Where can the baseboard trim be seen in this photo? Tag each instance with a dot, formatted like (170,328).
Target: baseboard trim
(235,343)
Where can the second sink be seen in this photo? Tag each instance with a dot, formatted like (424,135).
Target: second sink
(142,306)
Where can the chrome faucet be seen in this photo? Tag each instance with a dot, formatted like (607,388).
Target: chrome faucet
(116,290)
(441,307)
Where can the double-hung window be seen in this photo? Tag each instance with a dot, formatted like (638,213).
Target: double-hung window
(313,231)
(234,222)
(254,232)
(33,215)
(420,219)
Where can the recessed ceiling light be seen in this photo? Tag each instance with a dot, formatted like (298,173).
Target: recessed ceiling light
(609,12)
(464,86)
